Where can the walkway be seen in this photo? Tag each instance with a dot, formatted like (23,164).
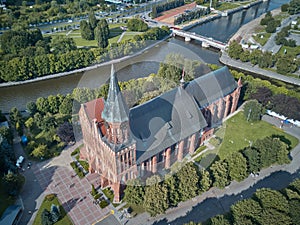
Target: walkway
(225,59)
(57,176)
(218,201)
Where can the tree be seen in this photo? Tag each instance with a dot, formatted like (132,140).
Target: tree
(65,132)
(237,166)
(235,50)
(134,192)
(13,183)
(101,35)
(205,181)
(188,180)
(262,95)
(66,105)
(253,159)
(244,210)
(42,105)
(86,30)
(92,20)
(41,151)
(220,174)
(271,26)
(286,64)
(55,213)
(173,194)
(219,220)
(62,44)
(93,192)
(46,217)
(156,198)
(252,110)
(294,7)
(137,25)
(53,103)
(31,107)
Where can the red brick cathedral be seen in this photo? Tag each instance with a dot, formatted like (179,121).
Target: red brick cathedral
(122,144)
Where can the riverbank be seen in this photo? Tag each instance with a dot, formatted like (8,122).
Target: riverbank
(85,69)
(217,15)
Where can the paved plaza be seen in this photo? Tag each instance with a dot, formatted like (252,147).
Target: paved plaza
(72,192)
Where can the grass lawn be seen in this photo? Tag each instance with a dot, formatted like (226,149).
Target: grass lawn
(262,38)
(239,132)
(47,205)
(226,5)
(290,50)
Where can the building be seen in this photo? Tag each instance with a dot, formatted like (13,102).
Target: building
(122,144)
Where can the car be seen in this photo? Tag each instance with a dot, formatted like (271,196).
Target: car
(20,161)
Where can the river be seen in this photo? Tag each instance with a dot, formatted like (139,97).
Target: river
(221,29)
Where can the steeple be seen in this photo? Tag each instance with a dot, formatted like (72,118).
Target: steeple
(115,109)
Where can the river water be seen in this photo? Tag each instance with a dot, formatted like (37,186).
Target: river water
(221,29)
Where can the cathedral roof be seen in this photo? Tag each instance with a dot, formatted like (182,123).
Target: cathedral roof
(116,109)
(163,121)
(212,86)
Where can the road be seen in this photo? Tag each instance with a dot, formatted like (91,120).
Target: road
(218,201)
(225,59)
(271,46)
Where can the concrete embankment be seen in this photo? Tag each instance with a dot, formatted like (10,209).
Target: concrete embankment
(217,15)
(226,60)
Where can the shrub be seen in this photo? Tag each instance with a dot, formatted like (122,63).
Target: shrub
(50,197)
(103,204)
(97,196)
(75,152)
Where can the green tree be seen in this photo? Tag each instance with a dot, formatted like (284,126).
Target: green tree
(137,25)
(92,20)
(252,110)
(86,30)
(62,44)
(134,192)
(66,105)
(173,193)
(41,151)
(219,220)
(53,103)
(188,181)
(31,107)
(13,183)
(46,217)
(156,198)
(205,181)
(235,50)
(42,105)
(294,7)
(253,159)
(101,34)
(237,166)
(245,210)
(220,174)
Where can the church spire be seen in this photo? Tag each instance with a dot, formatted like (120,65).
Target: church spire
(115,109)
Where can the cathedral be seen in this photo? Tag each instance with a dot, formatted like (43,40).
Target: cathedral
(122,144)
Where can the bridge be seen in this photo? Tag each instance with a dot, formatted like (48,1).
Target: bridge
(206,41)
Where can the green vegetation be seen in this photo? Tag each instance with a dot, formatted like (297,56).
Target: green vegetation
(84,164)
(46,204)
(226,6)
(5,199)
(76,151)
(103,204)
(191,15)
(289,50)
(262,38)
(158,9)
(284,64)
(240,133)
(109,194)
(77,169)
(266,206)
(29,55)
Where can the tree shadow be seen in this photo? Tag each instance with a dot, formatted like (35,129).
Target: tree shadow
(68,205)
(211,207)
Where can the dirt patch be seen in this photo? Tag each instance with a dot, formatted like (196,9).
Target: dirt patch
(169,16)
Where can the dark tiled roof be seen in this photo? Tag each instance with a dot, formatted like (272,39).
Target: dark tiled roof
(212,86)
(116,109)
(163,121)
